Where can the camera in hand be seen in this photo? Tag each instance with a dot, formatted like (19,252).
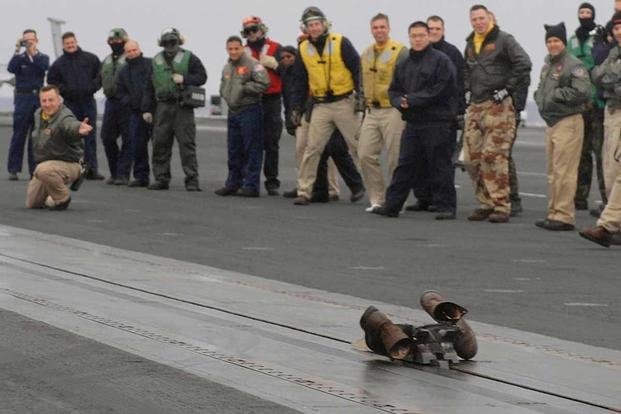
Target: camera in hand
(23,43)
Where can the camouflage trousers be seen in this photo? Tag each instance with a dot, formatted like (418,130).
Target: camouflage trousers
(591,148)
(490,131)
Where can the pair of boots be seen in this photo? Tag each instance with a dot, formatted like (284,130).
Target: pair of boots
(386,338)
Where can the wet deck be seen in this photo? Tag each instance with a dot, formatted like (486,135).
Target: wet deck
(286,343)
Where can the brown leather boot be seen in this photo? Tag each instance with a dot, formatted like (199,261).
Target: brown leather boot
(480,214)
(442,311)
(597,235)
(384,337)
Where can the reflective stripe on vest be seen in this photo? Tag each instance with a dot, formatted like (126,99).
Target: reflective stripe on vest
(110,69)
(164,87)
(328,71)
(269,49)
(377,71)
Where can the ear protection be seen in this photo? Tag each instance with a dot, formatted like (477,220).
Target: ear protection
(170,31)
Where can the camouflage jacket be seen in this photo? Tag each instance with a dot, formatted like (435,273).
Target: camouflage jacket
(564,88)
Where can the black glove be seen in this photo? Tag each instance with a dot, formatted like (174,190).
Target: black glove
(599,33)
(500,95)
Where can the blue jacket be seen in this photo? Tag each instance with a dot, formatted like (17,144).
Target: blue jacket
(427,79)
(76,75)
(131,82)
(29,74)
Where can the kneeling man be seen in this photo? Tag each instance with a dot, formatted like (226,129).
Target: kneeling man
(58,149)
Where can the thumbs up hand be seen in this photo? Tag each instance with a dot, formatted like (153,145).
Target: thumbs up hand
(85,128)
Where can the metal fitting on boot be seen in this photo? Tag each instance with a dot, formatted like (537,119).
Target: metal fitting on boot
(384,337)
(448,312)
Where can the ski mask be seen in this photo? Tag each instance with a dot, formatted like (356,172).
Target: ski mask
(117,48)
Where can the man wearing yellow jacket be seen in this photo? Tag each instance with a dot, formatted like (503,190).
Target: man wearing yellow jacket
(329,69)
(382,125)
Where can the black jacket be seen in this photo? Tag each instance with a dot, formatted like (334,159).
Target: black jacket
(500,64)
(76,75)
(427,79)
(458,61)
(132,82)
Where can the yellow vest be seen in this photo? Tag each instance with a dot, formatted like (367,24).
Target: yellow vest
(328,71)
(377,71)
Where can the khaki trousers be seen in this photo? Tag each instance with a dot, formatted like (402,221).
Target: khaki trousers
(381,128)
(563,148)
(301,140)
(610,219)
(325,119)
(611,148)
(51,178)
(489,135)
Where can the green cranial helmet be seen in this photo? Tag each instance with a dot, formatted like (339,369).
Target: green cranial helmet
(312,13)
(117,34)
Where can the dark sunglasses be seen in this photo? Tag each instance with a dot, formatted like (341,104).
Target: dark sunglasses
(169,43)
(251,29)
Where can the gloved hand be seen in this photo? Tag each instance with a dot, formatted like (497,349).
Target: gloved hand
(468,97)
(599,33)
(296,118)
(177,78)
(290,129)
(459,120)
(269,62)
(360,105)
(148,117)
(500,95)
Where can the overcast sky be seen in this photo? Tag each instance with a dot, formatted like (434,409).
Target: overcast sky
(207,24)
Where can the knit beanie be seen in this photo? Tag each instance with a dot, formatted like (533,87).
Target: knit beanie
(557,30)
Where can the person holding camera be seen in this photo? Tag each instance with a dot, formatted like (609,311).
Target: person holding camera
(29,68)
(175,69)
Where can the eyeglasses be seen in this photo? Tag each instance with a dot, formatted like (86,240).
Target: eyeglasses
(168,43)
(251,29)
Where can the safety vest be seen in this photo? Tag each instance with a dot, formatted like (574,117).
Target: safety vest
(377,71)
(583,52)
(269,49)
(110,68)
(328,71)
(163,84)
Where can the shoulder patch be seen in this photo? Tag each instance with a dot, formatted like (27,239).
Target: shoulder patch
(579,72)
